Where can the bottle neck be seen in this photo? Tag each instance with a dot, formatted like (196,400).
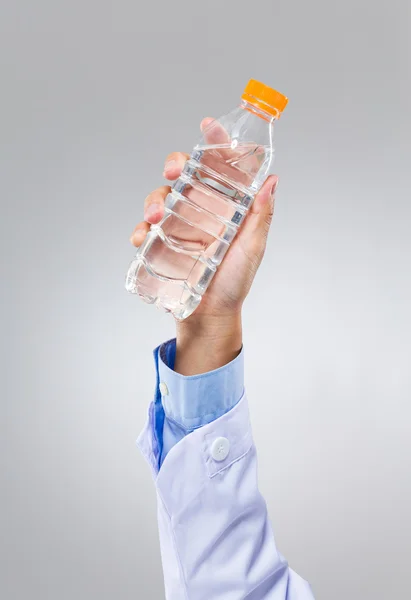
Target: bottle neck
(259,112)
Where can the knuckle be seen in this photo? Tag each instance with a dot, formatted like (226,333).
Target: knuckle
(148,199)
(157,196)
(174,156)
(179,157)
(171,156)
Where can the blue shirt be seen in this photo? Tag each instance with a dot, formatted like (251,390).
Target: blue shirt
(194,401)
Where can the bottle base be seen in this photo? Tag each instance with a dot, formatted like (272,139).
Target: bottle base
(169,295)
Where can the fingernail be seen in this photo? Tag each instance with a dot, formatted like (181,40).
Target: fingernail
(151,211)
(170,164)
(274,187)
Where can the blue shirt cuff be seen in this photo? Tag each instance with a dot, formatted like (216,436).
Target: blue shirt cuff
(193,401)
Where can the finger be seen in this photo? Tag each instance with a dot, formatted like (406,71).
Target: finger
(175,164)
(214,132)
(154,204)
(205,123)
(264,201)
(236,155)
(139,233)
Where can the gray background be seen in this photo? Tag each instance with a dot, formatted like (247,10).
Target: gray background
(93,97)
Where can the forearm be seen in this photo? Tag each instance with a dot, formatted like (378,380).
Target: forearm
(206,343)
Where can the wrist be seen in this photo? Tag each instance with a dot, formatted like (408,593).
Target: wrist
(206,343)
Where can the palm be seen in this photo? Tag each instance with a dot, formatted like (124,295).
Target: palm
(234,276)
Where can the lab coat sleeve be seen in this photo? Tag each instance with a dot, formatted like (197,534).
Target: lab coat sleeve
(216,539)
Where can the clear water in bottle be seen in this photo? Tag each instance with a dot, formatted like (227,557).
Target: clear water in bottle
(207,204)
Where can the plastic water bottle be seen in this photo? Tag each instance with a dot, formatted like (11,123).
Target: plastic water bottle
(207,204)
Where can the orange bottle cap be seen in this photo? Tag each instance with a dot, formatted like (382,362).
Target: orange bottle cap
(264,98)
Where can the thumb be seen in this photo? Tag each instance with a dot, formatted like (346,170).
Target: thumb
(262,209)
(253,234)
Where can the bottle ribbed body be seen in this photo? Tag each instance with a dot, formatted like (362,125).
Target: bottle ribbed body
(203,212)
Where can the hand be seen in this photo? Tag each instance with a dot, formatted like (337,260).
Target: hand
(215,326)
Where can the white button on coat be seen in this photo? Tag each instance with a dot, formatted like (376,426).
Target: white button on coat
(220,449)
(163,389)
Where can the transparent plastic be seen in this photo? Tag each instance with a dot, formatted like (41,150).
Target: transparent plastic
(204,210)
